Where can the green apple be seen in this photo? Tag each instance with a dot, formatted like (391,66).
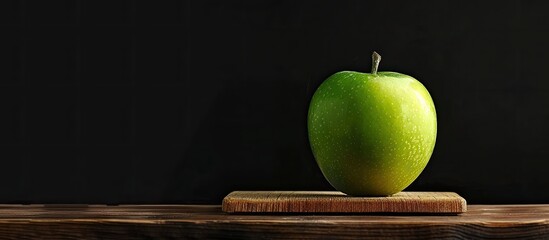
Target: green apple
(372,134)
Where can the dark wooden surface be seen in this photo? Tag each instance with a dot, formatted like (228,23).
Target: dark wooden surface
(208,222)
(338,202)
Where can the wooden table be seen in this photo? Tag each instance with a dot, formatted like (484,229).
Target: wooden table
(208,222)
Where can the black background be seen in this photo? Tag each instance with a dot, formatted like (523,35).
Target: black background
(185,101)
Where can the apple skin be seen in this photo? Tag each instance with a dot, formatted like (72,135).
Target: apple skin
(371,134)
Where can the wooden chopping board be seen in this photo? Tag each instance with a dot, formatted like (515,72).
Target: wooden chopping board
(338,202)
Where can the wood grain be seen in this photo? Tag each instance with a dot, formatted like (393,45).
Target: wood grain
(209,222)
(337,202)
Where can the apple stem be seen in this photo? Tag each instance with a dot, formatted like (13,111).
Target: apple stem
(376,58)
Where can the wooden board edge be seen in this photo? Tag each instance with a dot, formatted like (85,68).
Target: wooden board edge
(227,206)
